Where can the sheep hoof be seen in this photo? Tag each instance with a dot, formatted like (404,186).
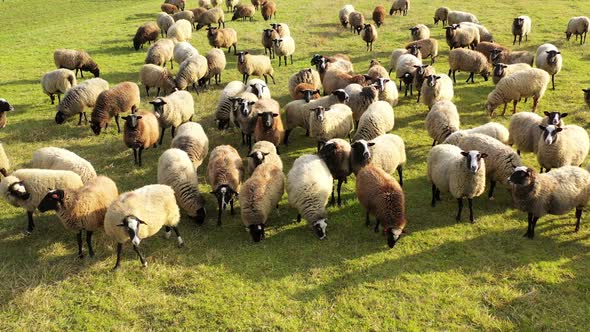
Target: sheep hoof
(81,256)
(491,198)
(144,264)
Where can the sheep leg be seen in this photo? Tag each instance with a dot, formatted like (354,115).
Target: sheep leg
(411,89)
(553,81)
(134,156)
(80,120)
(491,192)
(195,88)
(172,132)
(432,60)
(117,122)
(273,79)
(433,142)
(59,98)
(518,152)
(141,258)
(89,244)
(291,59)
(368,219)
(504,111)
(162,135)
(471,217)
(31,224)
(578,218)
(139,155)
(119,249)
(244,78)
(178,238)
(298,217)
(339,188)
(333,199)
(278,152)
(79,238)
(433,203)
(514,41)
(376,229)
(147,91)
(419,94)
(249,139)
(52,97)
(460,208)
(400,172)
(519,40)
(85,118)
(81,74)
(514,106)
(219,215)
(231,204)
(470,77)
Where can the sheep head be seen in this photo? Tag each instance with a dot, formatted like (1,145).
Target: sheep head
(242,56)
(52,201)
(360,152)
(554,118)
(19,191)
(257,232)
(552,56)
(550,133)
(131,121)
(522,176)
(473,160)
(267,119)
(225,195)
(319,228)
(258,157)
(131,224)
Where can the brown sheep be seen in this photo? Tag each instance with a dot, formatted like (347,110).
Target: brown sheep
(224,174)
(256,3)
(269,9)
(269,126)
(428,48)
(221,38)
(486,48)
(243,12)
(306,91)
(141,131)
(146,33)
(379,15)
(121,98)
(268,35)
(168,8)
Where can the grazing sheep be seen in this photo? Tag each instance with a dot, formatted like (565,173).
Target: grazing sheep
(6,107)
(501,70)
(377,120)
(63,160)
(562,146)
(263,152)
(492,129)
(382,196)
(4,162)
(215,65)
(524,129)
(141,132)
(190,72)
(556,192)
(336,154)
(328,123)
(501,158)
(147,33)
(461,173)
(282,29)
(82,209)
(344,14)
(268,35)
(258,65)
(161,52)
(511,57)
(578,26)
(422,72)
(521,26)
(181,30)
(176,170)
(164,21)
(387,152)
(401,6)
(309,184)
(197,12)
(183,51)
(284,47)
(456,17)
(57,82)
(78,97)
(461,59)
(211,16)
(153,76)
(26,188)
(168,8)
(405,70)
(121,98)
(269,126)
(523,84)
(379,15)
(225,172)
(458,36)
(185,15)
(308,76)
(268,10)
(173,110)
(419,31)
(549,59)
(191,138)
(369,35)
(73,59)
(484,34)
(259,195)
(256,3)
(222,38)
(435,88)
(442,120)
(231,4)
(139,214)
(178,3)
(357,21)
(244,11)
(441,14)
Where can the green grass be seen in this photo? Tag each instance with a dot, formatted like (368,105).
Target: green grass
(442,276)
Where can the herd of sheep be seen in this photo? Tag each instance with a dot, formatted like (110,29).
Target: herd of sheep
(349,114)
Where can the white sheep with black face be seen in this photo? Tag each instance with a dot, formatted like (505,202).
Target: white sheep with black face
(562,146)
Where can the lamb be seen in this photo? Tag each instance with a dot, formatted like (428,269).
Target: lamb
(26,188)
(4,162)
(456,17)
(502,70)
(141,132)
(422,72)
(212,16)
(175,169)
(224,174)
(139,214)
(153,76)
(549,59)
(258,65)
(173,110)
(268,35)
(511,57)
(215,65)
(333,122)
(484,34)
(501,158)
(523,84)
(121,98)
(243,11)
(344,14)
(521,26)
(492,129)
(562,146)
(73,59)
(436,88)
(578,26)
(284,47)
(336,154)
(161,52)
(461,173)
(181,30)
(169,8)
(369,35)
(269,126)
(419,32)
(191,138)
(360,98)
(401,6)
(64,160)
(82,209)
(524,129)
(405,70)
(442,120)
(190,72)
(6,107)
(263,152)
(222,38)
(470,61)
(259,195)
(387,152)
(357,21)
(164,21)
(268,10)
(183,51)
(441,14)
(586,99)
(147,33)
(57,82)
(381,196)
(556,192)
(458,36)
(282,29)
(184,15)
(379,15)
(377,120)
(78,97)
(309,184)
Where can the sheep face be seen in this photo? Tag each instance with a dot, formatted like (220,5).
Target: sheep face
(267,119)
(158,106)
(52,201)
(518,22)
(244,107)
(200,217)
(554,118)
(495,54)
(96,127)
(258,89)
(319,113)
(414,50)
(18,191)
(308,94)
(316,59)
(225,195)
(414,30)
(258,157)
(60,117)
(93,68)
(277,42)
(393,236)
(522,176)
(342,95)
(380,84)
(132,120)
(473,160)
(499,69)
(550,133)
(257,232)
(319,228)
(552,56)
(431,80)
(212,33)
(242,57)
(360,152)
(5,106)
(131,224)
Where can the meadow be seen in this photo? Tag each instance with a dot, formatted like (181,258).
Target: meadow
(442,276)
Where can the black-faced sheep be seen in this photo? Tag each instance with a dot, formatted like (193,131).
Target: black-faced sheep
(225,172)
(4,108)
(379,15)
(154,76)
(549,59)
(77,98)
(377,120)
(344,13)
(521,26)
(458,36)
(562,146)
(269,126)
(57,82)
(435,88)
(369,35)
(401,6)
(387,152)
(141,132)
(284,47)
(269,10)
(173,110)
(147,33)
(263,152)
(121,98)
(578,26)
(336,154)
(222,38)
(523,84)
(442,120)
(73,59)
(469,61)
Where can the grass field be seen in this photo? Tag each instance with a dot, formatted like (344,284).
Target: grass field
(442,276)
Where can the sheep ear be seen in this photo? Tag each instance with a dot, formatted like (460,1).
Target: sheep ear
(546,113)
(139,117)
(464,154)
(3,172)
(317,92)
(265,153)
(586,90)
(542,127)
(437,77)
(484,155)
(260,114)
(563,115)
(246,52)
(251,103)
(370,143)
(558,52)
(141,221)
(558,129)
(126,117)
(121,225)
(274,115)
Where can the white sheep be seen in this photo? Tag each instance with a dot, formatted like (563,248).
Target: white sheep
(441,14)
(307,76)
(258,65)
(435,88)
(181,30)
(562,146)
(183,51)
(461,59)
(387,152)
(333,122)
(225,105)
(442,120)
(164,21)
(377,120)
(521,26)
(263,152)
(502,70)
(284,47)
(215,65)
(401,6)
(461,173)
(524,129)
(139,214)
(456,17)
(309,184)
(492,129)
(154,76)
(74,59)
(65,160)
(78,97)
(191,138)
(549,59)
(523,84)
(420,31)
(211,16)
(57,82)
(259,88)
(190,72)
(225,171)
(405,70)
(173,110)
(344,13)
(484,34)
(161,52)
(458,35)
(578,26)
(360,98)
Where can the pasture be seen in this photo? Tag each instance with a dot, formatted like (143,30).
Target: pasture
(442,276)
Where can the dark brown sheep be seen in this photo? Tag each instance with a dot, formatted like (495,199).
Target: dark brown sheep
(121,98)
(146,33)
(379,15)
(142,131)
